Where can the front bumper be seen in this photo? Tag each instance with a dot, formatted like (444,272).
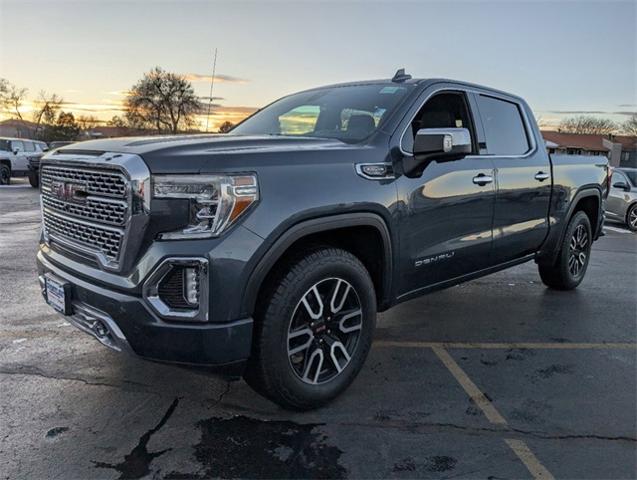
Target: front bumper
(124,323)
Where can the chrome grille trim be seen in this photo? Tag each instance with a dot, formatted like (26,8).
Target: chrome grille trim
(101,239)
(104,183)
(105,222)
(111,212)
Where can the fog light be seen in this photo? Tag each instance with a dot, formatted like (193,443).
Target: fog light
(191,285)
(178,289)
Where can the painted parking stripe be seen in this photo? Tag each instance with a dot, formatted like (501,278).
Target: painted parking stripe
(615,229)
(519,447)
(508,345)
(472,390)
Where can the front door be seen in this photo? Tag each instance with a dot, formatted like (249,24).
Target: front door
(523,179)
(447,211)
(19,162)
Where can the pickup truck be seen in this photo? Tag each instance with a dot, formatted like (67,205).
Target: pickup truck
(17,155)
(268,251)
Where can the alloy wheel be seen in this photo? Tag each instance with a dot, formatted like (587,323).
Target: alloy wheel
(578,251)
(324,331)
(632,218)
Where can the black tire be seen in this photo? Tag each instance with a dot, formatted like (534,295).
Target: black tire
(5,174)
(631,218)
(569,269)
(34,179)
(284,377)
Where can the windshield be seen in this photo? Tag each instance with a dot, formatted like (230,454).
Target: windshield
(350,113)
(632,176)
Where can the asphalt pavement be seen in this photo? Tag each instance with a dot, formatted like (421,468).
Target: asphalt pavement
(496,378)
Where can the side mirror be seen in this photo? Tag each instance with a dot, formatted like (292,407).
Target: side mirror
(441,144)
(16,151)
(621,186)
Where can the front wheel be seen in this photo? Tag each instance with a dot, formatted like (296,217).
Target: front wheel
(631,218)
(575,252)
(313,329)
(34,179)
(5,175)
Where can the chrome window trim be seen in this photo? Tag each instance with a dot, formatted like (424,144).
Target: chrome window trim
(499,96)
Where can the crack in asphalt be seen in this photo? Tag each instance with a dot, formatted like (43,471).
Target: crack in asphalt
(422,427)
(136,464)
(36,372)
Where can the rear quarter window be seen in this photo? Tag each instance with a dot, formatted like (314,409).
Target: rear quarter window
(504,127)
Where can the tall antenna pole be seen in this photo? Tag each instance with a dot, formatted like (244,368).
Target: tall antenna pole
(212,84)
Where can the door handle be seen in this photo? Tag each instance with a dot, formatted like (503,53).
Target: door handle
(541,176)
(482,179)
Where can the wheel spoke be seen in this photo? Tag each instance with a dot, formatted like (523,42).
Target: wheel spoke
(335,349)
(353,326)
(313,315)
(338,299)
(316,356)
(296,334)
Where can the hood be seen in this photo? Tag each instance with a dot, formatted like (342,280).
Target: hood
(201,153)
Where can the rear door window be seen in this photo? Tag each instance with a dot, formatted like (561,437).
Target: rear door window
(28,147)
(503,126)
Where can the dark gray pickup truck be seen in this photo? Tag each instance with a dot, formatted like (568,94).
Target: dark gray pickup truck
(268,251)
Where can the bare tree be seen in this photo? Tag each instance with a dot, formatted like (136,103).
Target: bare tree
(46,107)
(12,98)
(87,122)
(162,100)
(629,127)
(225,127)
(116,121)
(585,124)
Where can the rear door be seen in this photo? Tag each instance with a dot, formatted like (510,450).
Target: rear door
(523,177)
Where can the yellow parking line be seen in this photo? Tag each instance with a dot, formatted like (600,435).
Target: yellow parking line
(519,447)
(472,390)
(531,462)
(505,346)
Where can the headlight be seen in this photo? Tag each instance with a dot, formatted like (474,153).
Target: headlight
(216,201)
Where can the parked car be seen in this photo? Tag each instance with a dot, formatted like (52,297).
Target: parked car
(15,155)
(59,143)
(621,204)
(269,250)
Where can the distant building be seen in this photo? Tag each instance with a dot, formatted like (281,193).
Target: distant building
(621,150)
(17,129)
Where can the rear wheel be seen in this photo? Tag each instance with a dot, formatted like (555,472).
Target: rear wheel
(5,174)
(313,329)
(631,218)
(569,269)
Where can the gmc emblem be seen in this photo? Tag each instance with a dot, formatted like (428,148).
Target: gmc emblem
(69,191)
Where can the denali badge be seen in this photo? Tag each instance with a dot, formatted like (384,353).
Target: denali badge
(434,259)
(69,191)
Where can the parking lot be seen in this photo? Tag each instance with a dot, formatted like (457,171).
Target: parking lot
(496,378)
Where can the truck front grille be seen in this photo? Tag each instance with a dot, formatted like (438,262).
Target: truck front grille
(106,183)
(106,241)
(86,209)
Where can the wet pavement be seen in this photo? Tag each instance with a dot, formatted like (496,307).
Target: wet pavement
(496,378)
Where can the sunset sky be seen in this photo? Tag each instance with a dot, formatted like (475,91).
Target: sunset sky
(564,57)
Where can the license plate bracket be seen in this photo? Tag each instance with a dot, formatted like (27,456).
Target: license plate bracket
(58,294)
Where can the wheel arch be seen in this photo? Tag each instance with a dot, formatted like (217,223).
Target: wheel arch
(331,231)
(588,198)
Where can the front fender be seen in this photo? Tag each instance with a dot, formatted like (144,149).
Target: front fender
(280,245)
